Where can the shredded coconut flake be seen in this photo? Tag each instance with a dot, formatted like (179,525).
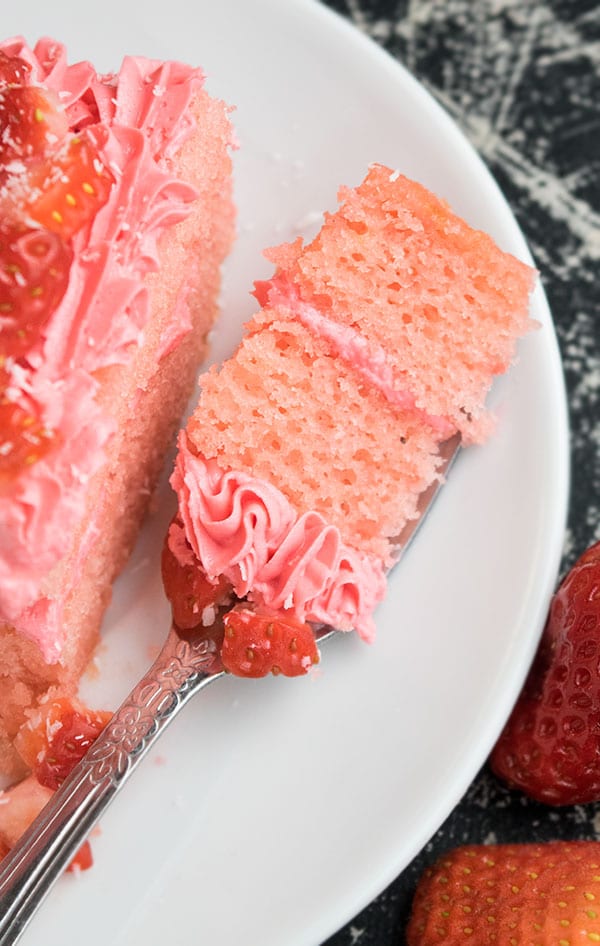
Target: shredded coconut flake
(208,616)
(53,728)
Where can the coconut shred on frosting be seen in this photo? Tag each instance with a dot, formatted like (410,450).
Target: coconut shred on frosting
(138,119)
(245,529)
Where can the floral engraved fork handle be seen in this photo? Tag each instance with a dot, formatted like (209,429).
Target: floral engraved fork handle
(184,666)
(27,874)
(149,708)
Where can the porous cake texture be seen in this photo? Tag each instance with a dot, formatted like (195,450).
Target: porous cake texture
(287,411)
(431,305)
(132,329)
(375,343)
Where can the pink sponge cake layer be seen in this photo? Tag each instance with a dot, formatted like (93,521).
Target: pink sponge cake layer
(114,365)
(406,288)
(309,448)
(286,410)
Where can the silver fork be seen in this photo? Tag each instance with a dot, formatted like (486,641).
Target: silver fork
(187,663)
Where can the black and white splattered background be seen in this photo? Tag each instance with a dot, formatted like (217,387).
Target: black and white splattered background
(522,79)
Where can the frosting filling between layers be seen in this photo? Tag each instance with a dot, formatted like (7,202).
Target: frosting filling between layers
(137,119)
(246,529)
(366,357)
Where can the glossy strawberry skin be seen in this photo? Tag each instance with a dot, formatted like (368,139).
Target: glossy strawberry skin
(256,644)
(189,590)
(510,895)
(69,188)
(31,125)
(550,747)
(34,274)
(54,743)
(13,70)
(25,440)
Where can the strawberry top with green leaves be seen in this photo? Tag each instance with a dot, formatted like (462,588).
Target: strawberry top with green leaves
(550,747)
(510,895)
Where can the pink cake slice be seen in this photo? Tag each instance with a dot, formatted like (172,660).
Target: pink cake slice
(98,387)
(406,288)
(309,448)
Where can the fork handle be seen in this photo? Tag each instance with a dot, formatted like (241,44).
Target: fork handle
(30,870)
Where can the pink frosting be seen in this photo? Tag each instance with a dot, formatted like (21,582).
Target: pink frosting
(246,529)
(137,119)
(366,357)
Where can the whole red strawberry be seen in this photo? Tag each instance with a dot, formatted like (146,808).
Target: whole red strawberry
(510,895)
(550,747)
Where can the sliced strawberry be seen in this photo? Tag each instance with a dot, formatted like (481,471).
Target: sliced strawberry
(13,70)
(31,126)
(34,273)
(25,439)
(256,644)
(57,737)
(69,189)
(189,590)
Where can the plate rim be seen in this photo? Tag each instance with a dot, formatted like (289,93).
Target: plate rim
(373,883)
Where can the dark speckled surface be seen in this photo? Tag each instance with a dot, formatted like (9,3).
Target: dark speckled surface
(522,79)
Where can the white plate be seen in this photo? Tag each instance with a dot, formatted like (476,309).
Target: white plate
(274,810)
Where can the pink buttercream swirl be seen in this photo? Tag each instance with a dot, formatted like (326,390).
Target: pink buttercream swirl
(247,530)
(138,120)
